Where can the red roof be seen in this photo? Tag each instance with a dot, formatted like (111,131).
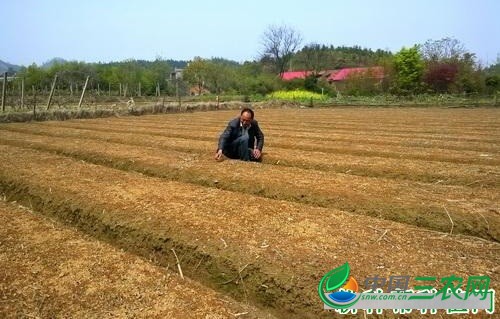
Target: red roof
(376,72)
(287,76)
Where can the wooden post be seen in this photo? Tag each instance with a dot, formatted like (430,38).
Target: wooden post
(139,88)
(34,94)
(176,88)
(125,90)
(83,91)
(98,89)
(34,102)
(120,89)
(3,90)
(71,89)
(109,89)
(22,93)
(52,91)
(20,89)
(177,93)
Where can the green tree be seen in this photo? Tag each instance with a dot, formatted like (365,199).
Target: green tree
(251,78)
(312,57)
(34,76)
(470,78)
(221,75)
(196,73)
(408,71)
(71,73)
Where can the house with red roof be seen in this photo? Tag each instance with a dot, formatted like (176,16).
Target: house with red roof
(376,72)
(292,75)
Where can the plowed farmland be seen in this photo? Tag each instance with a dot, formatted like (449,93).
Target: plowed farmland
(52,271)
(392,191)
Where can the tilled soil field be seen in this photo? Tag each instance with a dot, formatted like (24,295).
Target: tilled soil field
(52,271)
(392,191)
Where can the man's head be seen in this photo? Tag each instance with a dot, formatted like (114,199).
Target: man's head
(246,117)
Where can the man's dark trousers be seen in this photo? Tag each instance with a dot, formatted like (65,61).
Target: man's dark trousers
(238,149)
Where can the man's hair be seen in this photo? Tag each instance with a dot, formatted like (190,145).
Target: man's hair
(249,110)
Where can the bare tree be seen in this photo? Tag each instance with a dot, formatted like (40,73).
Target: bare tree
(279,43)
(444,49)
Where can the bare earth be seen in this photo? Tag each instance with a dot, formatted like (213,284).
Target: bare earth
(392,191)
(50,270)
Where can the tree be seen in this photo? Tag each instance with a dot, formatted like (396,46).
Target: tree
(279,43)
(34,76)
(492,83)
(442,50)
(196,73)
(494,69)
(408,69)
(70,72)
(313,57)
(439,76)
(155,73)
(469,79)
(492,77)
(450,68)
(250,78)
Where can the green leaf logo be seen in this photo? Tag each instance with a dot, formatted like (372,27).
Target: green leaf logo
(337,277)
(333,280)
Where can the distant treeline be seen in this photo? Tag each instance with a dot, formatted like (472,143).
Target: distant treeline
(436,67)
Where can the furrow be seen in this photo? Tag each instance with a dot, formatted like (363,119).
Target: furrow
(279,249)
(414,203)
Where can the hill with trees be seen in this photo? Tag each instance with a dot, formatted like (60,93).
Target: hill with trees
(9,68)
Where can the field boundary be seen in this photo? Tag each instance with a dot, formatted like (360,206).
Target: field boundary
(175,107)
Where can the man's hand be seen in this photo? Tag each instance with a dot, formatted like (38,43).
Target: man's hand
(218,155)
(256,153)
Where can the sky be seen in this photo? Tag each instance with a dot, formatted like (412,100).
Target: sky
(115,30)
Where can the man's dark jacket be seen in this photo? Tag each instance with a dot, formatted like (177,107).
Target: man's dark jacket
(234,130)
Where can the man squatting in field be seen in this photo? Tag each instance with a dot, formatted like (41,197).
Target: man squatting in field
(242,139)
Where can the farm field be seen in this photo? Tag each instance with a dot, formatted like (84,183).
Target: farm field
(51,270)
(392,191)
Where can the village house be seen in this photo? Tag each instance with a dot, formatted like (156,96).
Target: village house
(336,77)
